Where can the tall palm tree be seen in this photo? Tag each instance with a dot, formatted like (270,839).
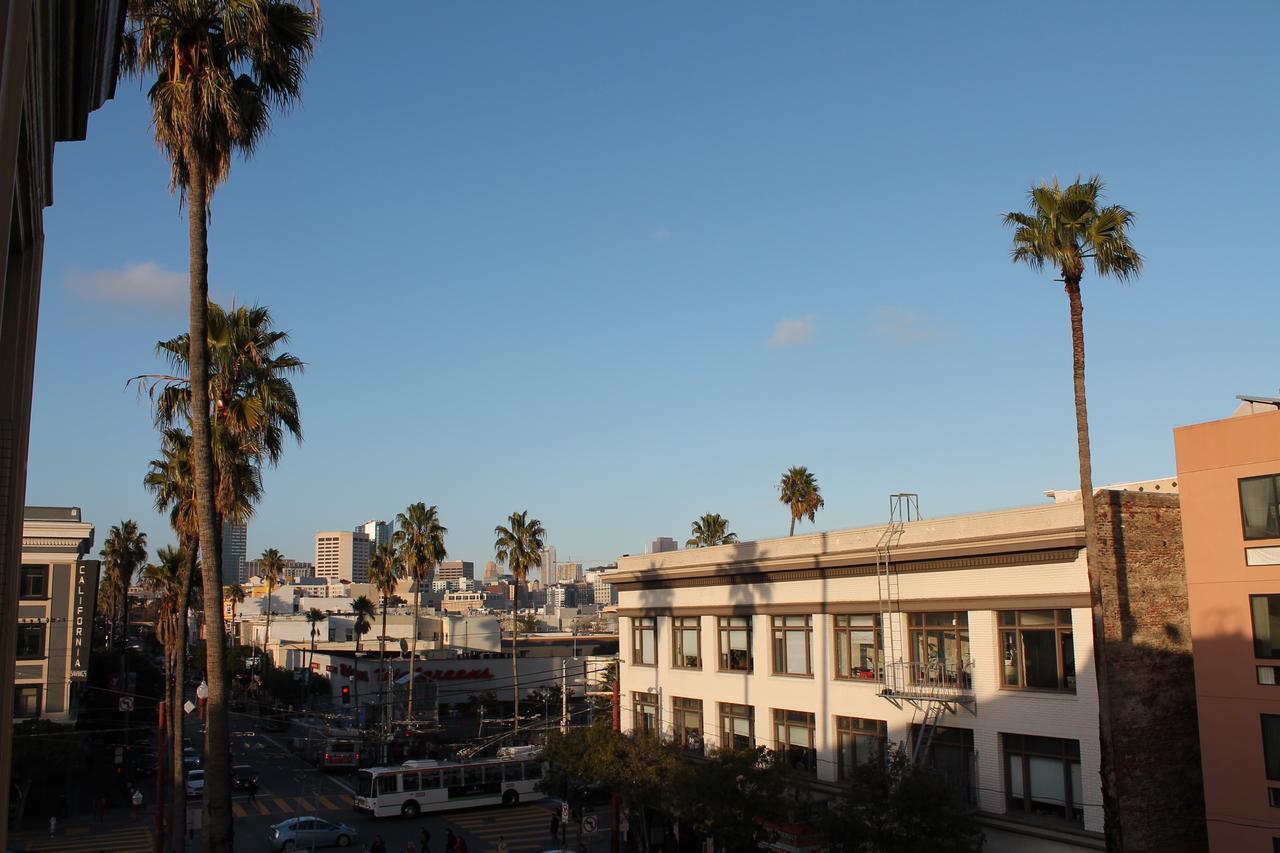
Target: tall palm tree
(800,492)
(385,572)
(518,546)
(271,566)
(711,529)
(314,617)
(420,538)
(364,611)
(235,594)
(1063,229)
(124,552)
(219,68)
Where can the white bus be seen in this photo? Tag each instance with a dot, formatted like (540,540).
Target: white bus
(432,786)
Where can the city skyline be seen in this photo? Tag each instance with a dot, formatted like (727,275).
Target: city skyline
(731,196)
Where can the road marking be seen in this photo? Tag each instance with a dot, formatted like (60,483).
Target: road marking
(327,803)
(281,804)
(261,808)
(238,810)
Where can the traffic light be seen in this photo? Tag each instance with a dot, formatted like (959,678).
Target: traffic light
(346,695)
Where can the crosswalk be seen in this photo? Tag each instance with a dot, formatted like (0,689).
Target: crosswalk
(122,840)
(525,828)
(266,804)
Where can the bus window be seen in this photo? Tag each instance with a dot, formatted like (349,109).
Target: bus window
(533,770)
(409,782)
(387,784)
(430,780)
(473,775)
(511,771)
(364,784)
(452,777)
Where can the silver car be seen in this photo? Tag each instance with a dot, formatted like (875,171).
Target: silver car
(303,833)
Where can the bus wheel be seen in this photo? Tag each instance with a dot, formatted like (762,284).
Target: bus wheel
(410,809)
(511,798)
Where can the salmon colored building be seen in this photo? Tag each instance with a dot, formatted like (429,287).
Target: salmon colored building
(1229,477)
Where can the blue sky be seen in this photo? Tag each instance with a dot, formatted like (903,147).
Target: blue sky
(622,264)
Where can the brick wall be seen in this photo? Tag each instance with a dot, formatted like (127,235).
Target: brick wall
(1156,744)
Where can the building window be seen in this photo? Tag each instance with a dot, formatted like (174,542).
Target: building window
(34,582)
(687,723)
(737,726)
(644,640)
(30,641)
(791,646)
(26,700)
(1038,650)
(1259,512)
(686,642)
(939,645)
(859,741)
(1266,625)
(1043,775)
(793,737)
(951,756)
(735,643)
(1271,745)
(645,711)
(859,646)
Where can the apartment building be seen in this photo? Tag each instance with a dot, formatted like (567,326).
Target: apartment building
(1229,475)
(57,595)
(343,555)
(455,571)
(821,649)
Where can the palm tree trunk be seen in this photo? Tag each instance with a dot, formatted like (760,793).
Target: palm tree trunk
(266,639)
(413,646)
(792,531)
(1114,839)
(218,831)
(382,675)
(515,673)
(177,781)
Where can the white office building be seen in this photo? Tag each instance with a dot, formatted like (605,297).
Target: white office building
(342,555)
(379,532)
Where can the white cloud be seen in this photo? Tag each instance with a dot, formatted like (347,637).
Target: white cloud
(792,333)
(905,327)
(146,283)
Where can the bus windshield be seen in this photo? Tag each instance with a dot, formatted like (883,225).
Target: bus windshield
(364,784)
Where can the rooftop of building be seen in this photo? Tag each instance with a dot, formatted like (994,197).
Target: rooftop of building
(51,513)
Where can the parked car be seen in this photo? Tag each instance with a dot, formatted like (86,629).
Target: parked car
(241,776)
(195,783)
(308,832)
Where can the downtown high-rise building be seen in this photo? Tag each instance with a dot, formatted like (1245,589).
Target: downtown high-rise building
(379,532)
(456,570)
(547,566)
(343,555)
(661,545)
(235,549)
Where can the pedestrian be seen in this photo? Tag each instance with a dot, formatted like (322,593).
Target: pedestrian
(53,826)
(253,789)
(451,843)
(555,827)
(378,845)
(502,844)
(425,845)
(137,801)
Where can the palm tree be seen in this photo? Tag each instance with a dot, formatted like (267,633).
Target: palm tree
(385,572)
(124,552)
(219,67)
(420,539)
(800,492)
(1064,228)
(235,594)
(314,617)
(518,546)
(711,529)
(364,611)
(271,566)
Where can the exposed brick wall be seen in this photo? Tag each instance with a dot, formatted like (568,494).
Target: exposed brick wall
(1149,671)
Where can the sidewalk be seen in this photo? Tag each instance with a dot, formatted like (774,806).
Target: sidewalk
(118,832)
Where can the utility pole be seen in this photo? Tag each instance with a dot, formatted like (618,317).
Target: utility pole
(615,836)
(161,775)
(564,696)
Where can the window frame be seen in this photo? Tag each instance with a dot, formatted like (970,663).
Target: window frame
(1016,630)
(854,728)
(650,700)
(678,630)
(725,627)
(733,711)
(1273,510)
(1253,624)
(29,570)
(44,639)
(780,633)
(1024,752)
(783,721)
(956,634)
(680,707)
(639,625)
(842,646)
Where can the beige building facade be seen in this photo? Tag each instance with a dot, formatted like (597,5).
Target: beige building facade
(343,555)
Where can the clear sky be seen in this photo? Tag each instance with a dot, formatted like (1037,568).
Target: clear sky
(621,264)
